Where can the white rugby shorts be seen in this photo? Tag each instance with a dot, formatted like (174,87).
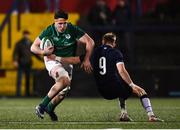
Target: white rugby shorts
(57,69)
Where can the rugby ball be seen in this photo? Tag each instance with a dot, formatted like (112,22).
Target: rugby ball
(46,42)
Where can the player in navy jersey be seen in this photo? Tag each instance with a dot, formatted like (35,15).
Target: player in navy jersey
(112,78)
(104,61)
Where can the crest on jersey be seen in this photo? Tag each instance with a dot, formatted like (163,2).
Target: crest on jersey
(67,36)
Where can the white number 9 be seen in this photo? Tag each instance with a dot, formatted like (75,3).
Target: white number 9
(102,65)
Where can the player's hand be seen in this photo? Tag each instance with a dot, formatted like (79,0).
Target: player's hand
(86,65)
(51,57)
(138,90)
(48,51)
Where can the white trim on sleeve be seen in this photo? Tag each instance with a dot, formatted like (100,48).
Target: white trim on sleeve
(119,63)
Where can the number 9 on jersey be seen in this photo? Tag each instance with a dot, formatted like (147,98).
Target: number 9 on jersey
(102,65)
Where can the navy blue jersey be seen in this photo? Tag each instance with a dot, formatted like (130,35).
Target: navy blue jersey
(104,62)
(109,82)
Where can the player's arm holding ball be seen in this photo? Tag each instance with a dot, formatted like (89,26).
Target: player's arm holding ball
(35,48)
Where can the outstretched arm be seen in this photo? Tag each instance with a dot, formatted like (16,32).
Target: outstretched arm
(125,76)
(123,73)
(88,41)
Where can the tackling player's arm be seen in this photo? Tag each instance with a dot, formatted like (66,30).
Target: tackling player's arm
(68,60)
(125,76)
(86,39)
(35,48)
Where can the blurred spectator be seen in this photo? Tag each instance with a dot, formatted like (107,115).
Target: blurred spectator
(100,14)
(121,17)
(121,14)
(23,62)
(162,11)
(26,6)
(21,5)
(168,10)
(49,5)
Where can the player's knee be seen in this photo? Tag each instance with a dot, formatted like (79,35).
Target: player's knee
(56,87)
(65,81)
(62,83)
(61,96)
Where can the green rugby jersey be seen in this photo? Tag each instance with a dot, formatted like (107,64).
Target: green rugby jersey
(65,43)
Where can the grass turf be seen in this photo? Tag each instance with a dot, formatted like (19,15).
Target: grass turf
(88,113)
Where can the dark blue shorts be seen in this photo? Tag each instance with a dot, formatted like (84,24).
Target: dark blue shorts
(114,89)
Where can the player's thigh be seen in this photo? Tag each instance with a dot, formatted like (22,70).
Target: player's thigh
(69,69)
(56,70)
(59,72)
(115,89)
(125,90)
(108,90)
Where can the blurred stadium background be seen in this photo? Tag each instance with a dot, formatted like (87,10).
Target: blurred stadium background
(149,40)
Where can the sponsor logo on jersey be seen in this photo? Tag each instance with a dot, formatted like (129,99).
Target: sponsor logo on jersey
(67,36)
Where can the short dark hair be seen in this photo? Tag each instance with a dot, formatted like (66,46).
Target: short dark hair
(26,32)
(60,14)
(109,37)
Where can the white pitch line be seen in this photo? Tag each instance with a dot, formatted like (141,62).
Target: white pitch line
(66,122)
(32,108)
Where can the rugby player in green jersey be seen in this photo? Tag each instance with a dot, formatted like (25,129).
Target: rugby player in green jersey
(64,36)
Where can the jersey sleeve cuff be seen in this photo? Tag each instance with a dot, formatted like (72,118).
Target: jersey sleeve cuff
(119,63)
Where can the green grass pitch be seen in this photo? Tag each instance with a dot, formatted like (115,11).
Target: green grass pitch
(89,113)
